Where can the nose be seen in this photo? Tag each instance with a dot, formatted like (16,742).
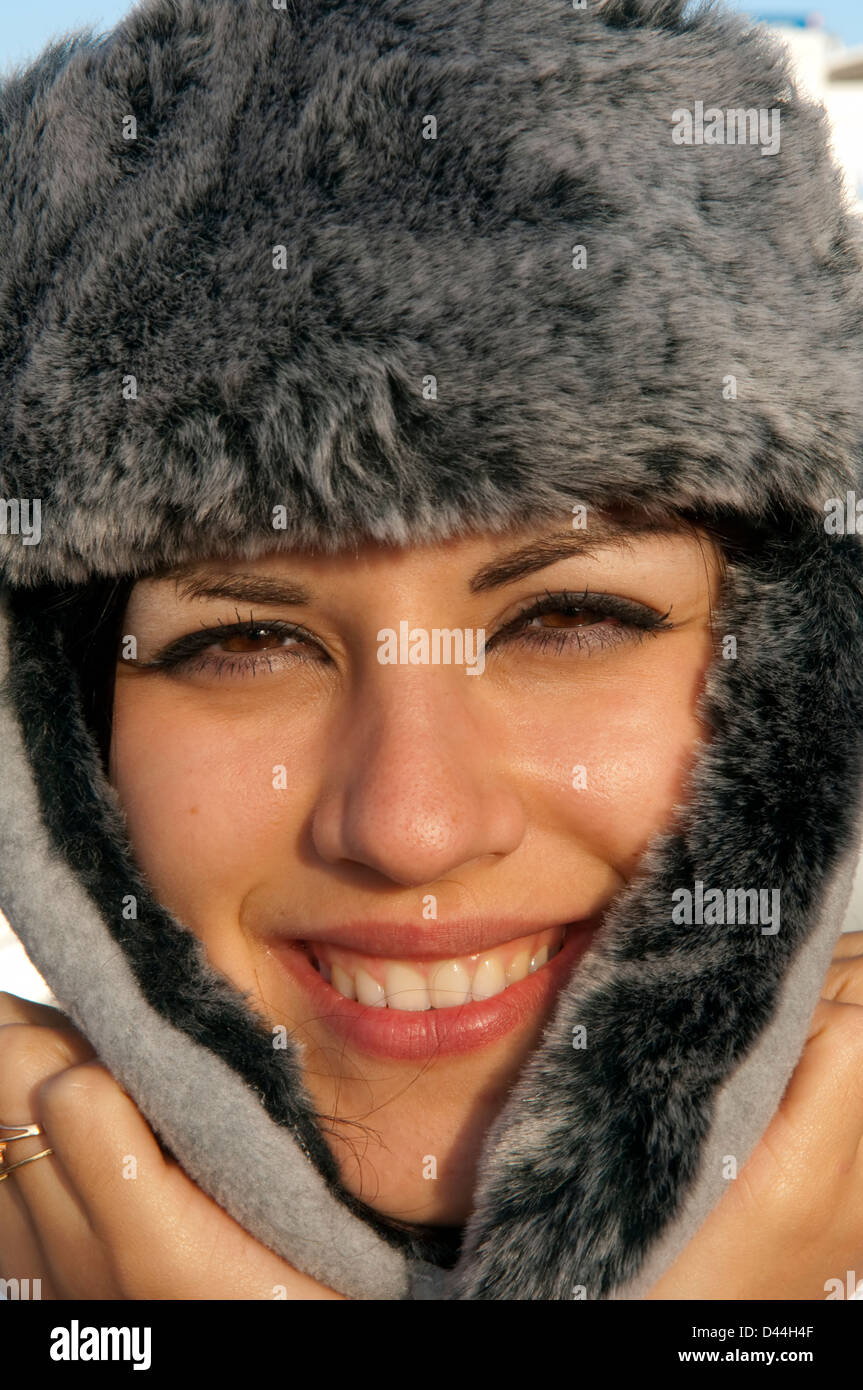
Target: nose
(415,784)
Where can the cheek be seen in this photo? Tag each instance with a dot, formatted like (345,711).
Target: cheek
(609,760)
(202,812)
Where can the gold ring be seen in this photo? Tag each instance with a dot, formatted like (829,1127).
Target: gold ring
(4,1173)
(9,1133)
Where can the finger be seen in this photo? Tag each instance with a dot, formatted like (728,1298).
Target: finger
(19,1241)
(21,1255)
(843,983)
(29,1057)
(844,980)
(824,1098)
(110,1156)
(15,1010)
(850,943)
(162,1231)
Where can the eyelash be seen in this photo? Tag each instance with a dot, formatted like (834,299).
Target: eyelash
(632,622)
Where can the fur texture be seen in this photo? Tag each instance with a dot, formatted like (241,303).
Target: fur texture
(152,258)
(302,386)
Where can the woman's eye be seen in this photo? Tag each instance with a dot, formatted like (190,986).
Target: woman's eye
(578,630)
(566,622)
(241,649)
(253,641)
(585,617)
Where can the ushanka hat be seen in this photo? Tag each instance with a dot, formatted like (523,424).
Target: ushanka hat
(316,272)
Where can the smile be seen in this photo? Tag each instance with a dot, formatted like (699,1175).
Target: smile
(415,986)
(412,1008)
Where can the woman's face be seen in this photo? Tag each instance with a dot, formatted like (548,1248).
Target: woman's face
(384,852)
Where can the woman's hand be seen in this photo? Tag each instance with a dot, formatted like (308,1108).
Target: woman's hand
(792,1220)
(77,1219)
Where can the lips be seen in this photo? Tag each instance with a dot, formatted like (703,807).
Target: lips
(416,985)
(405,1008)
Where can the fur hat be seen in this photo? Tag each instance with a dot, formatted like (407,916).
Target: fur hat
(318,273)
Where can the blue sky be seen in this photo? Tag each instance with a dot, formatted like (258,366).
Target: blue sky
(26,27)
(844,18)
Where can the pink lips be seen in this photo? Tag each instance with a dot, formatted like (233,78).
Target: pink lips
(393,1033)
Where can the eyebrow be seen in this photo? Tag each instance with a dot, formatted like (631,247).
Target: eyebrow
(249,588)
(254,588)
(537,554)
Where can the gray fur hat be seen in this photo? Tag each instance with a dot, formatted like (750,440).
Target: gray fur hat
(238,242)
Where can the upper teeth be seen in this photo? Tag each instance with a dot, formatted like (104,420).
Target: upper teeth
(440,984)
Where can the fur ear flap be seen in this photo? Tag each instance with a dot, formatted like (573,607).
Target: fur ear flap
(642,14)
